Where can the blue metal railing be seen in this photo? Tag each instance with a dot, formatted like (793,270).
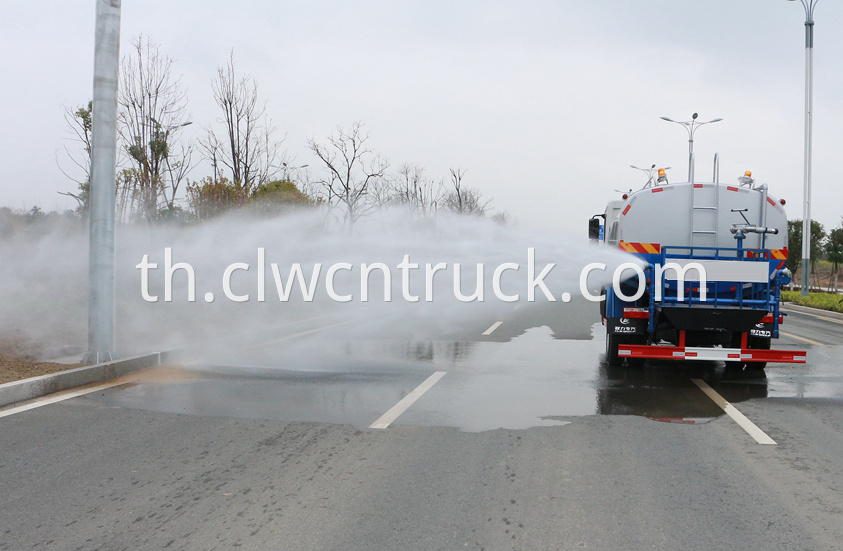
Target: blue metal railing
(755,295)
(733,293)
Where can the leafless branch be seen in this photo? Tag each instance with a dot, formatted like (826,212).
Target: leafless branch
(353,173)
(463,200)
(248,149)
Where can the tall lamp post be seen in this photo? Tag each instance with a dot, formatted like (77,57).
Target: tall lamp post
(809,93)
(103,162)
(691,126)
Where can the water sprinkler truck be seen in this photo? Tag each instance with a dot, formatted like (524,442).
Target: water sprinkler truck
(720,301)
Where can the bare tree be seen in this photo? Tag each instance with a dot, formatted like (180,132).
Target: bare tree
(355,173)
(152,111)
(462,200)
(247,149)
(411,188)
(79,122)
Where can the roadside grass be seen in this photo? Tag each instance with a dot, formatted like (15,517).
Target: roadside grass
(823,301)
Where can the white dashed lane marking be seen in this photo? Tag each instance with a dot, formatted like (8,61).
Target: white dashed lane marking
(747,425)
(491,330)
(390,416)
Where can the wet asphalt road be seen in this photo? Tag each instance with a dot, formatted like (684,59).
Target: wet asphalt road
(528,441)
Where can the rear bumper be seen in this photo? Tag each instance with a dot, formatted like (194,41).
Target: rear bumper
(710,354)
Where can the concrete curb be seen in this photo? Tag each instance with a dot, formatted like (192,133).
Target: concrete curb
(815,311)
(27,389)
(35,387)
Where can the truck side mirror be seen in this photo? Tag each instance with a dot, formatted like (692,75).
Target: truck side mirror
(594,229)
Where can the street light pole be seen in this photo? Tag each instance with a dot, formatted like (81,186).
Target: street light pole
(288,168)
(103,163)
(691,127)
(169,127)
(809,107)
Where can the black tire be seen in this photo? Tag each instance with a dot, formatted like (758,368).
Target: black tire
(636,363)
(612,342)
(751,342)
(760,344)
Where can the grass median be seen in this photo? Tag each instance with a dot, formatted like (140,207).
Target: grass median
(823,301)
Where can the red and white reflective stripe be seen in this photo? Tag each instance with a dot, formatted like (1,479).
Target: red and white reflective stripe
(710,354)
(636,313)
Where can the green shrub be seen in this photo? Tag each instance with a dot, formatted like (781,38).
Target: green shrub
(823,301)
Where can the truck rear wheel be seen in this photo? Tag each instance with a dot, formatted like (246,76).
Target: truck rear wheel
(751,342)
(736,343)
(636,363)
(760,344)
(612,342)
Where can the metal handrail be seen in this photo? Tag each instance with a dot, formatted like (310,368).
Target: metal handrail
(761,295)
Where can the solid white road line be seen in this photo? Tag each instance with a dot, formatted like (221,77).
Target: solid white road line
(803,339)
(824,318)
(747,425)
(60,397)
(494,326)
(408,400)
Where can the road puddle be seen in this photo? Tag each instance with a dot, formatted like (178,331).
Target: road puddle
(533,379)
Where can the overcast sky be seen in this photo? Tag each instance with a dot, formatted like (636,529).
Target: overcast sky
(545,104)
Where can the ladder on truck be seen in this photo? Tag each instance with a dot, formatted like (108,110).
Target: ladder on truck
(704,215)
